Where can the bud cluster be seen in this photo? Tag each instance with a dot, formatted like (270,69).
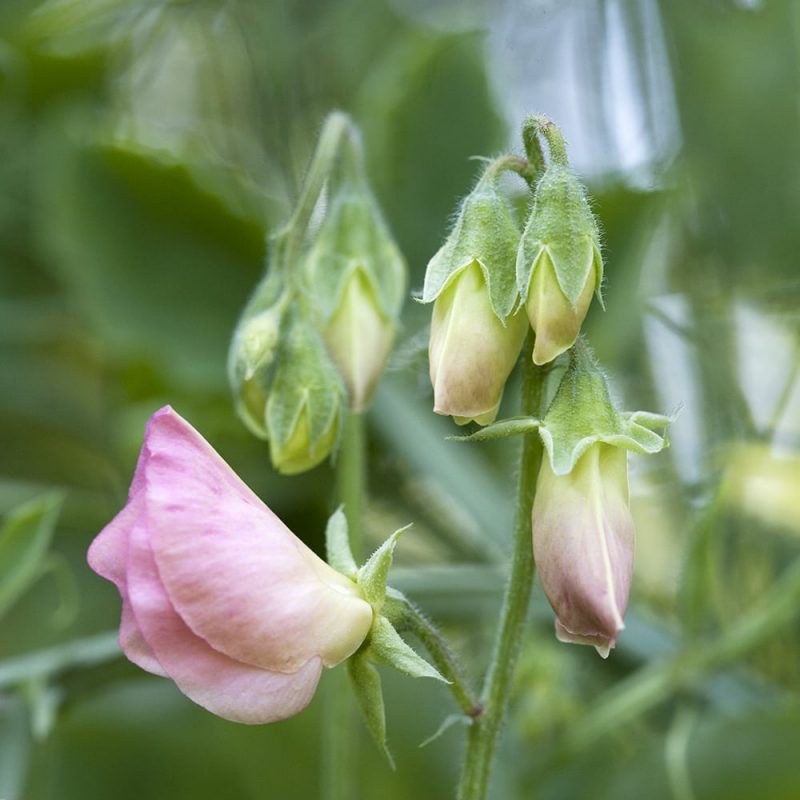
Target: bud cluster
(317,332)
(492,278)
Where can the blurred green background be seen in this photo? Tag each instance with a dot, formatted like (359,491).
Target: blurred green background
(149,146)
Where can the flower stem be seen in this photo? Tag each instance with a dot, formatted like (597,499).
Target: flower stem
(351,480)
(339,756)
(418,624)
(483,733)
(338,128)
(536,126)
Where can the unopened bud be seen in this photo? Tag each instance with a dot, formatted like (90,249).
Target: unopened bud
(304,404)
(475,338)
(254,349)
(358,279)
(559,265)
(583,545)
(471,351)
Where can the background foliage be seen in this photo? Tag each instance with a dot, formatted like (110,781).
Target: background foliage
(147,147)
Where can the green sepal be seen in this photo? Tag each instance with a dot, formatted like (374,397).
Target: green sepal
(366,683)
(513,426)
(561,224)
(487,233)
(354,236)
(582,414)
(337,544)
(373,575)
(386,646)
(305,381)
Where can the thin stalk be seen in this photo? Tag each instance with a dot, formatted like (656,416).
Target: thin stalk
(482,737)
(536,126)
(351,480)
(416,622)
(339,755)
(337,127)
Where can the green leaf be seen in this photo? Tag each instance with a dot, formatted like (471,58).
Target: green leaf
(337,544)
(24,539)
(513,426)
(386,646)
(366,684)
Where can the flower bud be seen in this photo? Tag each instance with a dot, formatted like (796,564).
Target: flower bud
(475,338)
(471,351)
(559,265)
(358,279)
(254,348)
(359,338)
(303,410)
(583,545)
(582,526)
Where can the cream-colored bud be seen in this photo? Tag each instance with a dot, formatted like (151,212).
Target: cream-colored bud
(471,351)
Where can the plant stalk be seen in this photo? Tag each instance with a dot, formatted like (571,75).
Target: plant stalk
(339,755)
(483,733)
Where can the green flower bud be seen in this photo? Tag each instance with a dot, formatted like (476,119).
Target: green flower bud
(358,280)
(254,349)
(559,265)
(303,411)
(475,339)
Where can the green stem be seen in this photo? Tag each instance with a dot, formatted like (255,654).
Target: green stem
(537,126)
(509,163)
(351,480)
(416,622)
(483,733)
(650,686)
(336,128)
(339,755)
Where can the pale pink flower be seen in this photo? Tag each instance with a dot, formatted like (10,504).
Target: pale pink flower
(583,545)
(217,593)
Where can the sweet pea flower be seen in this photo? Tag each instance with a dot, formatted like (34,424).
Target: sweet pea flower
(217,593)
(583,541)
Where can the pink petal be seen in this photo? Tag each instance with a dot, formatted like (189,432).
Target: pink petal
(233,571)
(108,555)
(228,688)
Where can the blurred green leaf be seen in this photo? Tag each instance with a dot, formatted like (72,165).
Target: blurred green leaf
(15,747)
(24,540)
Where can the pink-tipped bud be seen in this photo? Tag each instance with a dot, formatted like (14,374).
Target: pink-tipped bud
(583,545)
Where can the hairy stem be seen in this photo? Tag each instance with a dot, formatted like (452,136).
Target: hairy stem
(483,733)
(441,656)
